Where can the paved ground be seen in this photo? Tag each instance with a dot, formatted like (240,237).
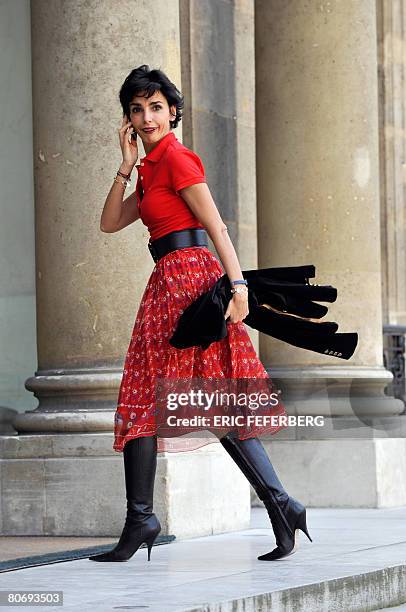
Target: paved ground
(355,560)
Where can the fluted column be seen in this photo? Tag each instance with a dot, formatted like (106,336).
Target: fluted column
(318,189)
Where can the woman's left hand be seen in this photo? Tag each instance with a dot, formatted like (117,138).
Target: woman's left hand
(237,308)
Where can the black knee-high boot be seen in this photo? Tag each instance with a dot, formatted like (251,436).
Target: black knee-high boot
(287,515)
(141,524)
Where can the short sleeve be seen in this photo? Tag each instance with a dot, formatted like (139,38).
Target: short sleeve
(185,169)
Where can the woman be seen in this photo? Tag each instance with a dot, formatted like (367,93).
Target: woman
(173,200)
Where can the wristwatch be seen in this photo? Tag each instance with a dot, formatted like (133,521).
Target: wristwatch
(241,281)
(239,290)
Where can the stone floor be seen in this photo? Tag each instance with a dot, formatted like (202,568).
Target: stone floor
(357,561)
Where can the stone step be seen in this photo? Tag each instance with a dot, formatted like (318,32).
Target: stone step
(356,562)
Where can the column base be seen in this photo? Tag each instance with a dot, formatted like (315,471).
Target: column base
(73,485)
(336,390)
(58,421)
(343,473)
(346,463)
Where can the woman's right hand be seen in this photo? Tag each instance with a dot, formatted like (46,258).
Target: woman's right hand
(128,144)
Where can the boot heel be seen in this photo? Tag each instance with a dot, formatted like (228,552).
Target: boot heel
(301,524)
(150,543)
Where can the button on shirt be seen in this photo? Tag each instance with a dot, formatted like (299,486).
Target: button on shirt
(167,169)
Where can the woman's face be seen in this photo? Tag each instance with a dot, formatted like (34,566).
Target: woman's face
(152,112)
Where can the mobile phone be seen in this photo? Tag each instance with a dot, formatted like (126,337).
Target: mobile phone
(134,134)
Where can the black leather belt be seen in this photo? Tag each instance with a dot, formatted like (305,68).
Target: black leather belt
(177,240)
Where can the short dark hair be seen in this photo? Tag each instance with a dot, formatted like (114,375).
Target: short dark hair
(142,80)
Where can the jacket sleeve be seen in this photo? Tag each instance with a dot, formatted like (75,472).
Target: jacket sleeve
(185,169)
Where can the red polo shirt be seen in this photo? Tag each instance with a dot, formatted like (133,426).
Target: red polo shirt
(169,167)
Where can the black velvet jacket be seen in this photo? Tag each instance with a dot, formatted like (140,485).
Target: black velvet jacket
(280,302)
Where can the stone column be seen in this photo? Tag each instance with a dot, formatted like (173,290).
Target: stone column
(218,77)
(391,71)
(89,284)
(318,203)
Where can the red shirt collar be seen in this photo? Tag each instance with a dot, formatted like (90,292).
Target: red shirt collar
(159,149)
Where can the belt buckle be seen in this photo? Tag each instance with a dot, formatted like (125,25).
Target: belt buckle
(153,251)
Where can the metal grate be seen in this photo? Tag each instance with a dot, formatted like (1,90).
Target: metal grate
(394,359)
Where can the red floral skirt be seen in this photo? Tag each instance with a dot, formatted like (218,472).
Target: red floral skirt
(178,279)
